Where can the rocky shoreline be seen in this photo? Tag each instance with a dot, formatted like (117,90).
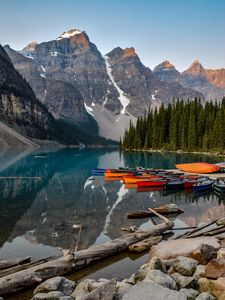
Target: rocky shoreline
(197,274)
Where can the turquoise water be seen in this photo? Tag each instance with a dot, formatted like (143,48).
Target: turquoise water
(37,214)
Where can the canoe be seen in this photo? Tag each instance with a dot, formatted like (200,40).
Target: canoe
(203,186)
(146,189)
(219,185)
(177,184)
(151,183)
(116,175)
(189,183)
(135,179)
(199,167)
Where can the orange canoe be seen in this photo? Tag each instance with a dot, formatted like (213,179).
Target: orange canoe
(135,179)
(116,175)
(199,167)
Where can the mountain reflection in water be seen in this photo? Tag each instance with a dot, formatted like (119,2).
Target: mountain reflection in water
(37,214)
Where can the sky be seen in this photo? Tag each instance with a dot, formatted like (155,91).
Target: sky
(180,31)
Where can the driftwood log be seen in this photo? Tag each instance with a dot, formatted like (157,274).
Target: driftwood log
(198,231)
(167,209)
(5,264)
(145,244)
(74,261)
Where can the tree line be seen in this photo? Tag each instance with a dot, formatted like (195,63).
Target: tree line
(182,125)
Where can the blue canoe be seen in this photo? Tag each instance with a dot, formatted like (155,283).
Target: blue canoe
(203,186)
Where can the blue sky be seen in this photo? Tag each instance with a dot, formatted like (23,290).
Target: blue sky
(178,30)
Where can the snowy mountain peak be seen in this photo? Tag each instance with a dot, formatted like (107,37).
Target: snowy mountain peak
(68,34)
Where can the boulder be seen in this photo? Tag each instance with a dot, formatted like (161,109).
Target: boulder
(157,264)
(105,291)
(185,265)
(222,243)
(191,294)
(150,290)
(205,296)
(54,295)
(92,290)
(83,289)
(221,221)
(168,262)
(181,247)
(161,278)
(221,253)
(122,288)
(215,268)
(59,283)
(204,253)
(199,272)
(214,287)
(184,281)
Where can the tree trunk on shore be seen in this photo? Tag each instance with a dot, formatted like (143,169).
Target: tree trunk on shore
(166,209)
(75,261)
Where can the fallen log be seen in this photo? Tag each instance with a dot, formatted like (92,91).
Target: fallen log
(191,232)
(208,232)
(23,266)
(75,261)
(4,264)
(166,209)
(145,244)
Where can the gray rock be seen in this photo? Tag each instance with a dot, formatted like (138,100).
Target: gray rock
(161,278)
(199,272)
(221,253)
(168,262)
(104,292)
(150,290)
(83,289)
(138,276)
(221,221)
(122,288)
(58,283)
(205,296)
(191,294)
(184,281)
(51,296)
(185,265)
(157,264)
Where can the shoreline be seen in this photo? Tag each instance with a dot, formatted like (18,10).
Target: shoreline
(175,152)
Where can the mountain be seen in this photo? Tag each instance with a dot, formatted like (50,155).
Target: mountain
(23,116)
(166,71)
(19,108)
(76,82)
(211,83)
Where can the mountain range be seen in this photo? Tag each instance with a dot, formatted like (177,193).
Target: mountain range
(99,94)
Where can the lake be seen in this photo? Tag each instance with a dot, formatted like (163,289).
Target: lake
(37,214)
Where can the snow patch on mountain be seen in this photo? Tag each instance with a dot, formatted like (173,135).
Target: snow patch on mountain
(68,34)
(89,109)
(122,97)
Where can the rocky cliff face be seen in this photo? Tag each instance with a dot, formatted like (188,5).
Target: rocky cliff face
(166,71)
(62,98)
(211,83)
(74,80)
(19,108)
(141,88)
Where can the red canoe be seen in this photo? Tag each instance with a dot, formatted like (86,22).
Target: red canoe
(188,184)
(151,183)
